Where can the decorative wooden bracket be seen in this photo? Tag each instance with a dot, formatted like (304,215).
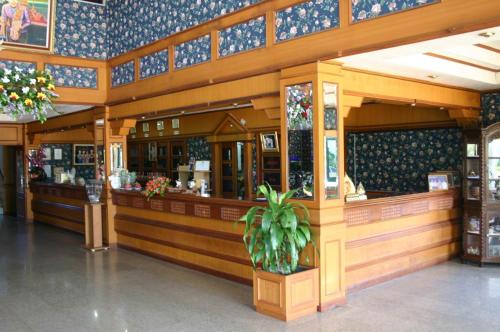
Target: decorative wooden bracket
(350,102)
(34,139)
(467,118)
(271,105)
(122,127)
(230,130)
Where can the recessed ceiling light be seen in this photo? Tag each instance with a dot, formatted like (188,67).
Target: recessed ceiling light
(441,108)
(143,117)
(487,34)
(414,103)
(432,76)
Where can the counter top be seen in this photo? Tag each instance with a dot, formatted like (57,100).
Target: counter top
(186,204)
(361,212)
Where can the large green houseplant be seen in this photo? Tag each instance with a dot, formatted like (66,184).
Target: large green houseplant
(275,236)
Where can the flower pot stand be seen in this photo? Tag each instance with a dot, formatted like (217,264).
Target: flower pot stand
(286,297)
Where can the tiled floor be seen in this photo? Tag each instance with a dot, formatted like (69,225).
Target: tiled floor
(47,283)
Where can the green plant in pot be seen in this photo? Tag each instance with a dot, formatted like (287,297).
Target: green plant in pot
(275,236)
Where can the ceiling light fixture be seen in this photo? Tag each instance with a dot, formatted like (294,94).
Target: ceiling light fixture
(414,103)
(487,34)
(432,76)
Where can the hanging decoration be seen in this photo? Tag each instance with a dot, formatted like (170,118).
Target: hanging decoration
(27,92)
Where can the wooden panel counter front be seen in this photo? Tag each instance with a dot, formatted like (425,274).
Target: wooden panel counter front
(392,236)
(193,231)
(59,205)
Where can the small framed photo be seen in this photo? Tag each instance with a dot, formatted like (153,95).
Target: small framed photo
(453,178)
(160,125)
(94,2)
(57,154)
(269,142)
(48,153)
(438,181)
(83,154)
(175,123)
(145,127)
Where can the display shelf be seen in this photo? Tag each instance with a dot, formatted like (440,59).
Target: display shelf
(481,240)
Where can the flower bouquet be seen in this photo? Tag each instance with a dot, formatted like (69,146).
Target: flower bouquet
(157,186)
(27,92)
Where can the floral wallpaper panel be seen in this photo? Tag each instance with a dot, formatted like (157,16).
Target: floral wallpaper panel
(134,23)
(193,52)
(306,18)
(153,64)
(366,9)
(243,37)
(123,74)
(490,105)
(399,161)
(80,30)
(75,77)
(198,148)
(8,64)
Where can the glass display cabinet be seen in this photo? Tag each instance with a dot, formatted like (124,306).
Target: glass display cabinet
(482,195)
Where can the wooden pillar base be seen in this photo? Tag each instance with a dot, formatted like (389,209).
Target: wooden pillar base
(93,227)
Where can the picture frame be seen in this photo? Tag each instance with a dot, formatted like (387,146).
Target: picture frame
(175,123)
(38,34)
(160,125)
(145,127)
(269,142)
(48,153)
(438,181)
(453,178)
(57,154)
(83,154)
(93,2)
(331,161)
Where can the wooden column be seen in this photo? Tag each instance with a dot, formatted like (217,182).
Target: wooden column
(93,226)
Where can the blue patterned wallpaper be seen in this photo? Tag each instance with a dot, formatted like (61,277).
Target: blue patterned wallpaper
(86,172)
(19,64)
(134,23)
(243,37)
(76,77)
(198,148)
(490,105)
(399,161)
(366,9)
(306,18)
(153,64)
(193,52)
(81,30)
(123,74)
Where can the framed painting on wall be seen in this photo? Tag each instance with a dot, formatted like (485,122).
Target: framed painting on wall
(438,181)
(269,142)
(83,154)
(27,24)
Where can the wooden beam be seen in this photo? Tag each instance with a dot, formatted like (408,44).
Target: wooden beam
(122,127)
(266,102)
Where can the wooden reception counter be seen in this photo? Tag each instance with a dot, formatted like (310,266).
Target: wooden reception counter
(60,205)
(189,230)
(386,237)
(391,236)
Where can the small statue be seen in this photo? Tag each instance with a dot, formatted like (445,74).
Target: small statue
(350,189)
(361,189)
(178,184)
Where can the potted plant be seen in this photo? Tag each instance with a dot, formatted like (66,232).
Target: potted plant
(275,237)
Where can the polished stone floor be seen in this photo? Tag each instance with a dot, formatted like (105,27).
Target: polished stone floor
(48,283)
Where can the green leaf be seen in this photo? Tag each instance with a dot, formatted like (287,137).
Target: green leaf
(267,219)
(306,231)
(276,236)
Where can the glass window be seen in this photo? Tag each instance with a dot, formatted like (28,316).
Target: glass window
(331,168)
(299,106)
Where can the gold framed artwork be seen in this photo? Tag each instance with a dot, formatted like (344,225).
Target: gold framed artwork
(83,154)
(269,142)
(28,24)
(438,181)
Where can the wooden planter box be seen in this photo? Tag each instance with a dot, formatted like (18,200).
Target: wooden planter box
(286,297)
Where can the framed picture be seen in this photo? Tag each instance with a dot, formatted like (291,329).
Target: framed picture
(48,153)
(152,151)
(57,154)
(27,24)
(160,125)
(94,2)
(269,142)
(453,178)
(83,154)
(438,181)
(145,127)
(331,165)
(175,123)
